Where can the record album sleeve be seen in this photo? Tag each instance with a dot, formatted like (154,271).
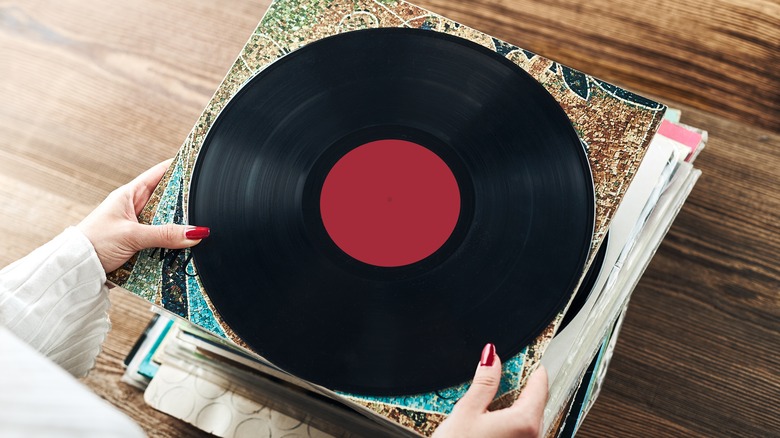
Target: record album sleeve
(614,126)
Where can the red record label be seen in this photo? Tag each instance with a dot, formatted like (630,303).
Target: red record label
(390,203)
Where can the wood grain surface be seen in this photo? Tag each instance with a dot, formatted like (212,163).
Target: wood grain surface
(92,93)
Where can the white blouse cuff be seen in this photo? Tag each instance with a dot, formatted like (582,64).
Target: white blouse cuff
(56,300)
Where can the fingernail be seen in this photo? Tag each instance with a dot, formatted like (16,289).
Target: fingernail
(194,233)
(488,355)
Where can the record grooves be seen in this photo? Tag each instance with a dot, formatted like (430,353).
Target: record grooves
(510,250)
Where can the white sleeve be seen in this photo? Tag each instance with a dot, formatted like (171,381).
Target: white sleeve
(55,299)
(39,399)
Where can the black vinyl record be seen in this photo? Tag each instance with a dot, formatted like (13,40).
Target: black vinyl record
(509,248)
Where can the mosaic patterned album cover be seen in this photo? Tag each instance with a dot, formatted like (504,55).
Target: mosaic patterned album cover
(614,125)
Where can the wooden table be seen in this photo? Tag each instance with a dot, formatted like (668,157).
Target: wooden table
(92,93)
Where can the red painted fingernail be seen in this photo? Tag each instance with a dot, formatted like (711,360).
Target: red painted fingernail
(488,355)
(195,233)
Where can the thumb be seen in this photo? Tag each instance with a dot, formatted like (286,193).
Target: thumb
(533,398)
(171,236)
(485,384)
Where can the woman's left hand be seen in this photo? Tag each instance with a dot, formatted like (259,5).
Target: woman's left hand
(114,230)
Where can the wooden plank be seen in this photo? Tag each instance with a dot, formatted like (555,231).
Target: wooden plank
(95,92)
(716,55)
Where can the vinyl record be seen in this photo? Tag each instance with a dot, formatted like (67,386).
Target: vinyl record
(384,202)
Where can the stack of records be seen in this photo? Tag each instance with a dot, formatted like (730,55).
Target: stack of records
(389,190)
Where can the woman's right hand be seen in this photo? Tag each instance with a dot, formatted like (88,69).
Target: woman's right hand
(470,416)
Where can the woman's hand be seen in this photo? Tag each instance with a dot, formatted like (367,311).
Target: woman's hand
(470,417)
(114,230)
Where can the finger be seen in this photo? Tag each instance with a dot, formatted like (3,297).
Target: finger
(170,236)
(485,384)
(144,184)
(533,398)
